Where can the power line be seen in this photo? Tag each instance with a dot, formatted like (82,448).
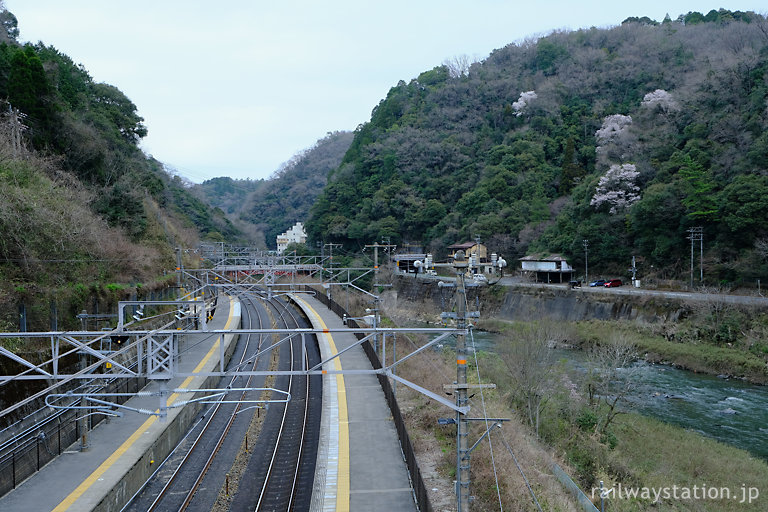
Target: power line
(527,483)
(78,260)
(485,415)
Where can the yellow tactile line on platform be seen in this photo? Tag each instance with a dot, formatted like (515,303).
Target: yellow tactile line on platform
(93,477)
(342,485)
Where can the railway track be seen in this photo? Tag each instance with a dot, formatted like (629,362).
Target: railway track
(192,476)
(281,489)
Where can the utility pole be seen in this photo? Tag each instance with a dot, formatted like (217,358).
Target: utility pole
(178,272)
(697,234)
(330,264)
(331,245)
(376,246)
(462,425)
(16,123)
(586,260)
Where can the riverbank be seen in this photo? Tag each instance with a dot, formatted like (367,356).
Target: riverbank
(637,453)
(676,468)
(723,361)
(712,336)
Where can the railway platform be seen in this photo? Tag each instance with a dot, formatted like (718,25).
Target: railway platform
(123,452)
(360,464)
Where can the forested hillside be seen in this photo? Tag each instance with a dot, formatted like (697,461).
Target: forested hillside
(626,137)
(80,204)
(226,193)
(289,193)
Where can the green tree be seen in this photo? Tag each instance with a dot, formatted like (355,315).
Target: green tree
(571,172)
(120,111)
(29,90)
(698,186)
(9,24)
(742,205)
(657,223)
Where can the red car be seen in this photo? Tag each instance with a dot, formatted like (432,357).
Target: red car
(613,283)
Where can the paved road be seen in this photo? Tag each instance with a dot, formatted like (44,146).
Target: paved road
(750,300)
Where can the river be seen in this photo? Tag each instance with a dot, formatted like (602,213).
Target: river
(729,410)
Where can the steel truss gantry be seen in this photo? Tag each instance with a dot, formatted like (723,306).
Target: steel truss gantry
(279,274)
(127,352)
(153,354)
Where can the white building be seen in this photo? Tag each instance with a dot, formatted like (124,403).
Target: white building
(547,269)
(295,235)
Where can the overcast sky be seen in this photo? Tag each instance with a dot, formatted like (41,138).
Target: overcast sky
(237,87)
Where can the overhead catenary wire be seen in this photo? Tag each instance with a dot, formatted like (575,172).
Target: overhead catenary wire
(527,483)
(485,415)
(490,443)
(73,260)
(440,371)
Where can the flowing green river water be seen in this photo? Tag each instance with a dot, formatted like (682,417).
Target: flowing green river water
(728,410)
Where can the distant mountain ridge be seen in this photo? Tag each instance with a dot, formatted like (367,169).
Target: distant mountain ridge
(288,195)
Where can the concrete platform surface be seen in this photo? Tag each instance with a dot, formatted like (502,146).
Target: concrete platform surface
(124,450)
(375,468)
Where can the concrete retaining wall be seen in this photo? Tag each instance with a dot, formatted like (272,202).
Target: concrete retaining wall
(558,303)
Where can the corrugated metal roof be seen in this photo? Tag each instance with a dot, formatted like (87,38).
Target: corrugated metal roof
(539,257)
(465,245)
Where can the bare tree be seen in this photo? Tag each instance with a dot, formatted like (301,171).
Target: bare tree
(530,360)
(761,247)
(458,65)
(12,128)
(712,313)
(611,377)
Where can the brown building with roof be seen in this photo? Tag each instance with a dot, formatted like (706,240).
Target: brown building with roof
(470,248)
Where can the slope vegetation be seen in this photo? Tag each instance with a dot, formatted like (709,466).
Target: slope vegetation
(80,205)
(626,137)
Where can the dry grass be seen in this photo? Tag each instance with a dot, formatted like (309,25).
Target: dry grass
(435,444)
(648,453)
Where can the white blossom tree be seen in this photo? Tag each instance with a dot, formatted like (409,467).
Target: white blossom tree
(614,141)
(660,99)
(617,188)
(459,65)
(613,128)
(525,99)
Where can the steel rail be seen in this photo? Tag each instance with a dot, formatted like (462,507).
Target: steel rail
(289,408)
(211,415)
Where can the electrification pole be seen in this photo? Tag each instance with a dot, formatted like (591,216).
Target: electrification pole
(178,272)
(462,425)
(330,257)
(330,265)
(376,246)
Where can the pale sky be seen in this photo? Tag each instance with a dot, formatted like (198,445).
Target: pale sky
(237,87)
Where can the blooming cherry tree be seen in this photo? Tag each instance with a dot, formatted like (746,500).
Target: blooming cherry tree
(617,188)
(613,128)
(660,99)
(525,98)
(614,140)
